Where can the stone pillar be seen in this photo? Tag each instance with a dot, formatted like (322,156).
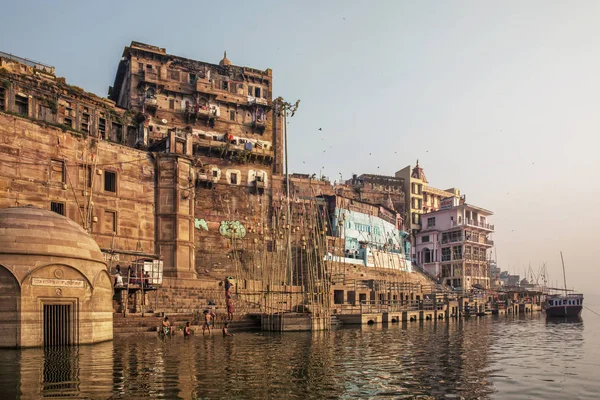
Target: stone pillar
(175,192)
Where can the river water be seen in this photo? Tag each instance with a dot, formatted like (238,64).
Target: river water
(524,357)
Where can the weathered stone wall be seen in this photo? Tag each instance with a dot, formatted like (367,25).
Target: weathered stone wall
(41,164)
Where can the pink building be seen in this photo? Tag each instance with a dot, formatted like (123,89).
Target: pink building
(453,244)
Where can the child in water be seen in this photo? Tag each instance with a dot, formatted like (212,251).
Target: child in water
(187,331)
(225,330)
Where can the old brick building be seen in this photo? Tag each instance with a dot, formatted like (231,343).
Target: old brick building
(185,150)
(180,162)
(226,148)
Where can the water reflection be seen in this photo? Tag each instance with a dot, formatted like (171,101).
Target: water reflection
(63,372)
(477,358)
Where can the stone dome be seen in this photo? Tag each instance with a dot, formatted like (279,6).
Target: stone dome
(225,60)
(34,231)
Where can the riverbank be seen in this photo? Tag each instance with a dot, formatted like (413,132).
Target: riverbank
(493,357)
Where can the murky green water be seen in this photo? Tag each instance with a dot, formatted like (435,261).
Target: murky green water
(500,358)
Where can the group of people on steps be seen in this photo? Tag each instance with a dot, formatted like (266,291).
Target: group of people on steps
(209,317)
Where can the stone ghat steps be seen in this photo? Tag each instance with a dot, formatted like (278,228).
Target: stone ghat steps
(176,299)
(136,324)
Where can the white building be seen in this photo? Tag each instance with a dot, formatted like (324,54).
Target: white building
(453,244)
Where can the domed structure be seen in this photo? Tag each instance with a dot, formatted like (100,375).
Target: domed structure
(224,61)
(418,173)
(54,285)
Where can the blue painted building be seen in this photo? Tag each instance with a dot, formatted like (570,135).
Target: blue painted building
(372,234)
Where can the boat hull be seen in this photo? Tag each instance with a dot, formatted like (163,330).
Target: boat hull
(564,311)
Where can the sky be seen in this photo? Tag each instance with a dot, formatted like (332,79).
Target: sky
(499,99)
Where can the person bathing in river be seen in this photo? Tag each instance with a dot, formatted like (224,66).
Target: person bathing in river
(225,330)
(207,321)
(166,326)
(187,331)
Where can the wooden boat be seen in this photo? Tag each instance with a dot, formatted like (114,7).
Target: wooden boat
(564,305)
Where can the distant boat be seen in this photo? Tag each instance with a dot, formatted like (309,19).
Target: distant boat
(567,305)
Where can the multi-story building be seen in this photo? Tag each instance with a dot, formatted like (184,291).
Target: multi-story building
(377,189)
(188,149)
(453,245)
(227,108)
(421,198)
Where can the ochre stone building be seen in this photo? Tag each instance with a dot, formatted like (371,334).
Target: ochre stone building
(182,157)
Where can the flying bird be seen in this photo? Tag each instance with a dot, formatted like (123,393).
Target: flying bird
(320,129)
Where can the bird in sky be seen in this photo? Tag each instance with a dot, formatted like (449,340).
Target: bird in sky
(320,129)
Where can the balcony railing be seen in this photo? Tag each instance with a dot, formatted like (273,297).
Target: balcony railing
(467,257)
(472,222)
(484,241)
(151,102)
(478,224)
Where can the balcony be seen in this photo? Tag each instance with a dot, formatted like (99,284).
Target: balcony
(215,145)
(150,76)
(259,124)
(193,113)
(478,224)
(481,241)
(151,103)
(481,259)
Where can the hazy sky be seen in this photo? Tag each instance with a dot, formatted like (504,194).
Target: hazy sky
(499,99)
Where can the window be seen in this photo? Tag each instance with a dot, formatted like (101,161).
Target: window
(257,92)
(110,221)
(457,252)
(68,122)
(420,189)
(233,178)
(174,75)
(85,122)
(250,90)
(57,171)
(116,132)
(225,85)
(102,127)
(427,256)
(22,104)
(171,104)
(431,222)
(450,237)
(446,254)
(110,181)
(215,173)
(232,115)
(425,239)
(57,207)
(2,98)
(149,67)
(192,78)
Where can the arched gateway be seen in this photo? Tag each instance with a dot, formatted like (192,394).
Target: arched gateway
(54,287)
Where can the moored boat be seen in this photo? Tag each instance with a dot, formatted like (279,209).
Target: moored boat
(564,305)
(569,305)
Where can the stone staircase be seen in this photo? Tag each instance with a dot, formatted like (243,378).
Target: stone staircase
(136,324)
(179,297)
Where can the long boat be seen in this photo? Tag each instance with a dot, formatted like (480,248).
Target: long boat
(564,305)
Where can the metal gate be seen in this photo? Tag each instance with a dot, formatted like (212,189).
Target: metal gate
(58,329)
